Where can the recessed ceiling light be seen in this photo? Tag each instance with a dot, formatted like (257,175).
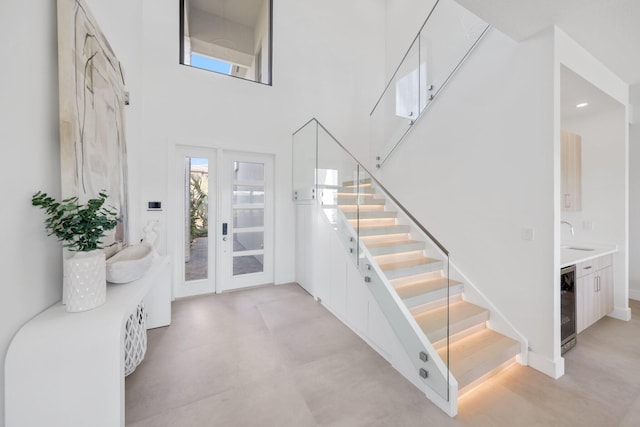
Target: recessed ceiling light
(582,105)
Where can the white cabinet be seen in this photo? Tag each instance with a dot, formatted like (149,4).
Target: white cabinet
(67,369)
(594,295)
(571,171)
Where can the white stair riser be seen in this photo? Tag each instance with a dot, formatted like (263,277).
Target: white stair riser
(412,271)
(352,201)
(380,231)
(396,249)
(355,190)
(434,299)
(373,222)
(370,214)
(454,328)
(362,183)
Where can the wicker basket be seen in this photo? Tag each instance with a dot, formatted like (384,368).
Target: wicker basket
(135,339)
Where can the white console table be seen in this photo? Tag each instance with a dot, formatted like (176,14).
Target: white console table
(67,369)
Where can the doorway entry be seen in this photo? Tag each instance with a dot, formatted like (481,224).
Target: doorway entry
(247,218)
(224,220)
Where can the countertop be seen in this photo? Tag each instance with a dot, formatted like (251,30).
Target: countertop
(569,255)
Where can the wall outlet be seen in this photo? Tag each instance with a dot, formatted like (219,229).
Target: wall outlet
(587,225)
(528,233)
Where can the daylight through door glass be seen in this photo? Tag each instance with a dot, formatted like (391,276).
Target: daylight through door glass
(196,224)
(248,217)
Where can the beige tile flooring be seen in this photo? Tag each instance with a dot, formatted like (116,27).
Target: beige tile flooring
(273,357)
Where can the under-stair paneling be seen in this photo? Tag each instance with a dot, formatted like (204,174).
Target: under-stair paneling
(304,248)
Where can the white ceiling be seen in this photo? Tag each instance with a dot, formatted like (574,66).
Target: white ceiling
(244,12)
(609,29)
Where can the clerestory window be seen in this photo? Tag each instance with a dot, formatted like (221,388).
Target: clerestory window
(231,37)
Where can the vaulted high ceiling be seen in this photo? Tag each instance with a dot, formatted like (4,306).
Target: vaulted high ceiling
(609,29)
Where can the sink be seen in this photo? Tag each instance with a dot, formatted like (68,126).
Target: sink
(130,263)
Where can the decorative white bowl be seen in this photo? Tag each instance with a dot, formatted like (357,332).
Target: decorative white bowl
(130,263)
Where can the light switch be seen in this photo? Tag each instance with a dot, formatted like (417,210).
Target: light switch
(528,233)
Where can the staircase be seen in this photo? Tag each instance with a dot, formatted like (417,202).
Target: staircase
(435,301)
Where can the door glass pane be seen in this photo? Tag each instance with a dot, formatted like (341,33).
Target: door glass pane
(196,189)
(246,171)
(243,218)
(243,194)
(252,241)
(248,264)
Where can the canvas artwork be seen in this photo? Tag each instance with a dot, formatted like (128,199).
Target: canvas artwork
(92,101)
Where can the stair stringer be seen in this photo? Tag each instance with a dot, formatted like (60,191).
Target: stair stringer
(399,317)
(497,320)
(471,293)
(402,355)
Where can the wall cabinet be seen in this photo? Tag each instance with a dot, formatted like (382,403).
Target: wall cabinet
(594,286)
(571,171)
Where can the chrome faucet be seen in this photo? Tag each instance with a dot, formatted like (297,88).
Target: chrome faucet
(570,226)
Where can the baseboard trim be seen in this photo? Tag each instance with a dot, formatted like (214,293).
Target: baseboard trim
(621,314)
(552,368)
(634,294)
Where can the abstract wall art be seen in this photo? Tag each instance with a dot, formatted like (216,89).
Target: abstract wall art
(93,150)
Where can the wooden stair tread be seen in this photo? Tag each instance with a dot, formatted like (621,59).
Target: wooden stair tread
(462,315)
(353,201)
(385,222)
(413,262)
(392,243)
(365,182)
(424,286)
(478,354)
(370,215)
(354,190)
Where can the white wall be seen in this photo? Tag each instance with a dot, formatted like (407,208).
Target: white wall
(603,184)
(31,262)
(634,196)
(326,58)
(479,167)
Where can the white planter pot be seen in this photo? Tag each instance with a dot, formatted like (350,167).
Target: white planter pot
(85,281)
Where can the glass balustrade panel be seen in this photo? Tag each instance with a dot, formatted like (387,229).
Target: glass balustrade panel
(398,107)
(337,177)
(400,246)
(444,42)
(304,162)
(435,54)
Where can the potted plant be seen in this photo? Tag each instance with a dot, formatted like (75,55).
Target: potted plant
(81,227)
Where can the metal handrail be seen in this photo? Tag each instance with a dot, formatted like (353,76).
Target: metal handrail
(379,185)
(404,57)
(435,94)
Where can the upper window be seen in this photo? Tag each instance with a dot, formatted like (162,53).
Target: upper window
(230,37)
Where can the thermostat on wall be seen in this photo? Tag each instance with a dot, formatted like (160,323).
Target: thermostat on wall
(154,206)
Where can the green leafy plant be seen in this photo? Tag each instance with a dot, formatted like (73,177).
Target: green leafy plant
(198,207)
(80,227)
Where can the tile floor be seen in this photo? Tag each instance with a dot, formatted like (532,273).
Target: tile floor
(273,357)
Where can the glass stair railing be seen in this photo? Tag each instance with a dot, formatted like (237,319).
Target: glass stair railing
(446,39)
(406,270)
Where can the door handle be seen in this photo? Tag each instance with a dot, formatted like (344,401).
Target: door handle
(225,231)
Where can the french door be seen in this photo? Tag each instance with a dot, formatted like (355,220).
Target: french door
(246,220)
(223,225)
(195,190)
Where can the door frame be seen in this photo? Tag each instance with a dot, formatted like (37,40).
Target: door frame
(226,281)
(182,288)
(175,216)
